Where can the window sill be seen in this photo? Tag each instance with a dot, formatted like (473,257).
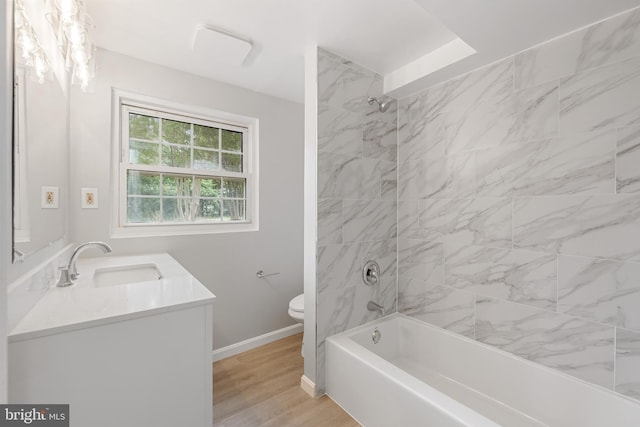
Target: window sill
(139,231)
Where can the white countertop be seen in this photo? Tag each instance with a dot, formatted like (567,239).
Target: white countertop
(83,305)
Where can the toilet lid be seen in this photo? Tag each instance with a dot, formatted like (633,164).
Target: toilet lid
(297,304)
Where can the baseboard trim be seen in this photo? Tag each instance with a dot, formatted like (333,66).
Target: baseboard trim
(251,343)
(309,387)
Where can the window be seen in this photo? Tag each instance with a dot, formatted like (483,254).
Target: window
(182,172)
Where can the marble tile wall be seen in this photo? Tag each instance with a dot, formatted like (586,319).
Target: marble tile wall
(357,199)
(519,204)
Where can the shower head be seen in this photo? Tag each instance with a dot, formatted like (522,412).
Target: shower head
(382,105)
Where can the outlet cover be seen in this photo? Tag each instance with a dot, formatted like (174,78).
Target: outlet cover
(89,198)
(49,198)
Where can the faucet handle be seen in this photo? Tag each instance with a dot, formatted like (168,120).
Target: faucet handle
(371,273)
(73,272)
(65,277)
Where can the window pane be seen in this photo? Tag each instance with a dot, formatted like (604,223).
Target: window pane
(143,184)
(232,141)
(232,162)
(170,210)
(209,187)
(141,209)
(176,132)
(206,136)
(207,160)
(233,210)
(179,157)
(180,209)
(234,188)
(176,185)
(184,185)
(143,153)
(169,186)
(209,210)
(143,127)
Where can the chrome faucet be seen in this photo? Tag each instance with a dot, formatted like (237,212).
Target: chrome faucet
(374,306)
(69,274)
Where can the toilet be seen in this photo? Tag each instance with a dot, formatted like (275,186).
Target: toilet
(296,308)
(296,311)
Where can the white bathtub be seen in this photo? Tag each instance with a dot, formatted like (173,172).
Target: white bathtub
(419,375)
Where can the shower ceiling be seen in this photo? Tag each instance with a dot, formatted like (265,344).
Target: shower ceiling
(383,35)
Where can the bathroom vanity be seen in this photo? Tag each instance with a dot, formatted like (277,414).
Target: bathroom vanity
(129,344)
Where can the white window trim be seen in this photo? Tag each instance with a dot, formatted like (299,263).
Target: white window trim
(118,230)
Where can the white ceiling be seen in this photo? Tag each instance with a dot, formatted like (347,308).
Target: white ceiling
(383,35)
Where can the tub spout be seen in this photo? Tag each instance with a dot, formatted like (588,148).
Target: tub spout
(374,306)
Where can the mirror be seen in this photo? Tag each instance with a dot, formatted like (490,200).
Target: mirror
(41,134)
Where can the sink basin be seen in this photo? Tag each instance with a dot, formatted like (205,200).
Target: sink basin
(122,275)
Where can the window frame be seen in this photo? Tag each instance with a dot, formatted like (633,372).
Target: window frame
(127,102)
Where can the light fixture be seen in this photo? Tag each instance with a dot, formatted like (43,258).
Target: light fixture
(71,24)
(31,51)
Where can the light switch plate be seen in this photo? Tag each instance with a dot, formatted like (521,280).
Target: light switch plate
(49,198)
(89,198)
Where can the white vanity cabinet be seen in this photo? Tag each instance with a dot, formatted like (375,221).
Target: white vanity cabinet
(127,364)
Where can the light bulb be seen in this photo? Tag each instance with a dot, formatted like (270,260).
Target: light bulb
(79,55)
(27,43)
(75,33)
(68,9)
(40,66)
(19,19)
(82,74)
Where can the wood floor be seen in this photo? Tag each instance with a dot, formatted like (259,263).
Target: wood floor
(261,387)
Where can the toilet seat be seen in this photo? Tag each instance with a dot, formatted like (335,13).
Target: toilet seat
(297,304)
(296,308)
(296,311)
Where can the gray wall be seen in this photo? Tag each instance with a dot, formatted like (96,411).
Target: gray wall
(356,188)
(519,204)
(226,263)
